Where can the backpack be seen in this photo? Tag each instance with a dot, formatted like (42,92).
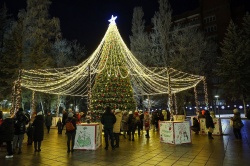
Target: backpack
(69,126)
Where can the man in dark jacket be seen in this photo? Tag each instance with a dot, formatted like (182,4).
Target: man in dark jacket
(209,124)
(7,133)
(108,120)
(48,121)
(38,133)
(20,122)
(64,118)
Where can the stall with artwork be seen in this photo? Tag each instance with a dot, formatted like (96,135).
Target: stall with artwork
(88,136)
(175,132)
(217,126)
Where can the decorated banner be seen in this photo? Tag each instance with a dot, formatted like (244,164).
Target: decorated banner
(87,137)
(175,132)
(217,126)
(166,132)
(182,132)
(203,129)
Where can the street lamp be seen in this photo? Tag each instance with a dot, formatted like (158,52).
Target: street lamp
(217,103)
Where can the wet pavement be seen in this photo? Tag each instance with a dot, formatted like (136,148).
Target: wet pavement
(223,150)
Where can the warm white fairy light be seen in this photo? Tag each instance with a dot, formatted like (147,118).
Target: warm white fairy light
(112,50)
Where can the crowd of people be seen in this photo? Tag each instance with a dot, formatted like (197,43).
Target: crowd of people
(115,123)
(237,123)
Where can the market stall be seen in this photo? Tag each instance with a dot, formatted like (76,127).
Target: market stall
(88,136)
(217,126)
(175,132)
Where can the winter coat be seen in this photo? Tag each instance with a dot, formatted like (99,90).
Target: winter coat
(146,122)
(236,120)
(7,130)
(59,125)
(108,120)
(209,120)
(64,117)
(20,122)
(38,132)
(131,122)
(73,121)
(117,125)
(48,120)
(124,125)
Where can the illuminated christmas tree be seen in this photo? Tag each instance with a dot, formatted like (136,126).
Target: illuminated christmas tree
(112,84)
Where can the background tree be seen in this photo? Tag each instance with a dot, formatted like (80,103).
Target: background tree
(182,48)
(233,65)
(33,42)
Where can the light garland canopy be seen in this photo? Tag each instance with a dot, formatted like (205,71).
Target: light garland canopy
(74,80)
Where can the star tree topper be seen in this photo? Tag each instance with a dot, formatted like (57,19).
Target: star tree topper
(112,20)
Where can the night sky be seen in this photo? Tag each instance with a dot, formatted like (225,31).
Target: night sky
(87,20)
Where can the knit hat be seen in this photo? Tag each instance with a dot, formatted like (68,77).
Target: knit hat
(117,110)
(235,110)
(70,115)
(130,112)
(6,115)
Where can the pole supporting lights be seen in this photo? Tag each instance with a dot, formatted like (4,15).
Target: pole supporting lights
(217,104)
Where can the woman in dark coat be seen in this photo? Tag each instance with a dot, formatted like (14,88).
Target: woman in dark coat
(71,134)
(237,124)
(131,126)
(209,124)
(38,131)
(7,133)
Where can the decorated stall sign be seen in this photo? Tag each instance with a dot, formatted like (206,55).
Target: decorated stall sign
(182,132)
(166,132)
(88,137)
(217,126)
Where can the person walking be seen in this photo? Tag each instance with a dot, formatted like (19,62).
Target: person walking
(147,124)
(48,121)
(38,131)
(108,120)
(124,126)
(64,118)
(70,124)
(59,126)
(209,124)
(137,123)
(30,128)
(141,115)
(237,124)
(117,127)
(131,126)
(7,133)
(20,122)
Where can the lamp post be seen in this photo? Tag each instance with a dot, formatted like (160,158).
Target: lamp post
(217,103)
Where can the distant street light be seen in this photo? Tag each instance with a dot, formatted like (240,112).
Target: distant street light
(217,103)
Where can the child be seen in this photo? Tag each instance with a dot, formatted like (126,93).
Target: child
(30,134)
(59,126)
